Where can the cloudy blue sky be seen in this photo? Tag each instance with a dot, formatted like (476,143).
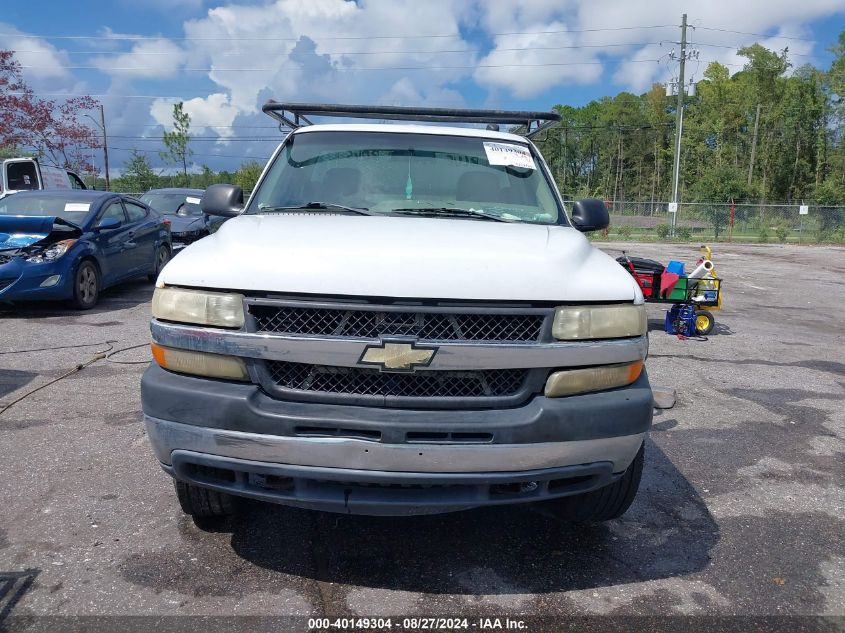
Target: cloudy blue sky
(224,59)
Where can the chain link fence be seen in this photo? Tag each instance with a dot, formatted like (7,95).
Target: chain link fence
(740,222)
(714,222)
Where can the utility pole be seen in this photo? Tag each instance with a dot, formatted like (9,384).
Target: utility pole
(679,123)
(754,145)
(105,147)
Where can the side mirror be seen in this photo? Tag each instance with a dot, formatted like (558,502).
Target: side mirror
(108,224)
(590,214)
(224,200)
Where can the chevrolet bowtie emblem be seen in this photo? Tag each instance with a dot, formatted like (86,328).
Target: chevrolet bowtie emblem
(397,356)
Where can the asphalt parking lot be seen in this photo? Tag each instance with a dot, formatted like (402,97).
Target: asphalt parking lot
(741,509)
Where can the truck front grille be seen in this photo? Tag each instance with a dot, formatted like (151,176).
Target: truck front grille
(489,383)
(371,324)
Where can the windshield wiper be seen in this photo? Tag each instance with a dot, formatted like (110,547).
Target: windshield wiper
(316,206)
(450,212)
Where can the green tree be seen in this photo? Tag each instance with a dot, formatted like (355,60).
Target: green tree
(203,179)
(247,175)
(176,142)
(138,176)
(829,195)
(719,185)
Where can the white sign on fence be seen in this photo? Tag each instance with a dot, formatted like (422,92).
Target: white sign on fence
(804,209)
(673,207)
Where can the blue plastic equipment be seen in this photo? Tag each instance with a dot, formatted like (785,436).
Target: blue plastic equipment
(676,268)
(680,320)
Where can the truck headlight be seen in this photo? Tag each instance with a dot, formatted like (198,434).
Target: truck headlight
(186,361)
(571,381)
(604,321)
(198,306)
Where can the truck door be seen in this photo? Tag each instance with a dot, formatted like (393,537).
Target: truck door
(54,178)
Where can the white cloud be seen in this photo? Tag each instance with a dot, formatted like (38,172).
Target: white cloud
(215,112)
(637,72)
(755,16)
(40,59)
(336,51)
(529,64)
(631,50)
(331,50)
(158,58)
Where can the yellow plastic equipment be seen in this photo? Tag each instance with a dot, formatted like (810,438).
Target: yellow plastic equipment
(707,253)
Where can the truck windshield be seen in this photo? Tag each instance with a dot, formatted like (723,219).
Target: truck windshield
(399,173)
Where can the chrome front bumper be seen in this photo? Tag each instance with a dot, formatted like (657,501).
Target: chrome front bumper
(346,453)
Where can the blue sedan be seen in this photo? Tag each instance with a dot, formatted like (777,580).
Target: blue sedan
(71,244)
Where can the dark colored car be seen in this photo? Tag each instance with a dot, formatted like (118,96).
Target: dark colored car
(72,244)
(181,207)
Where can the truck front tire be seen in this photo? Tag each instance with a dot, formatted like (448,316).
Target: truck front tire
(202,503)
(604,504)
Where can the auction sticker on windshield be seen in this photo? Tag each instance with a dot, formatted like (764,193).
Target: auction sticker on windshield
(77,206)
(509,154)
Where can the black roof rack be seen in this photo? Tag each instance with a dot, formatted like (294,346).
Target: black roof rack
(295,115)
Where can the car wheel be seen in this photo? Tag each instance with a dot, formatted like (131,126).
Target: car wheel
(609,502)
(86,285)
(205,506)
(162,257)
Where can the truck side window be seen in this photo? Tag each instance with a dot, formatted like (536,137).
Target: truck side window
(22,175)
(75,181)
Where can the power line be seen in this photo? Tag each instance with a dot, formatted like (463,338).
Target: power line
(200,138)
(294,39)
(355,69)
(152,151)
(417,52)
(170,128)
(776,37)
(277,139)
(173,98)
(737,47)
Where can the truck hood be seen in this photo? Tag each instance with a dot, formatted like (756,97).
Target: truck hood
(421,258)
(19,231)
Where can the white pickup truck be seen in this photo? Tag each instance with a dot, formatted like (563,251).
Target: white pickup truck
(28,174)
(403,319)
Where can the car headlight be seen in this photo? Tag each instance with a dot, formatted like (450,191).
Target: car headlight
(571,381)
(198,306)
(186,361)
(603,321)
(54,251)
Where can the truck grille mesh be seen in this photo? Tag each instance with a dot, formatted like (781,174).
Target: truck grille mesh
(370,382)
(425,326)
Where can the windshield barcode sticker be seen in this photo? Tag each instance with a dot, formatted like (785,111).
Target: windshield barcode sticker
(77,206)
(191,200)
(509,155)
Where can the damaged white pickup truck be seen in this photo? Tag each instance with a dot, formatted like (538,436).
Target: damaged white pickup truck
(402,320)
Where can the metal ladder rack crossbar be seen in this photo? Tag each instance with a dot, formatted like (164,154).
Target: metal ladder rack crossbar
(296,115)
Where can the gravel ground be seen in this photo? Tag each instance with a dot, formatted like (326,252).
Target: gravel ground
(741,508)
